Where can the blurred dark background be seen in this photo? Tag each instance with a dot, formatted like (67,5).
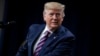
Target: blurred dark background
(17,15)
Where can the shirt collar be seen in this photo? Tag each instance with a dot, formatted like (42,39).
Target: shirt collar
(47,29)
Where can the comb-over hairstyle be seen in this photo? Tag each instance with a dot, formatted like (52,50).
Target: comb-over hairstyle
(54,5)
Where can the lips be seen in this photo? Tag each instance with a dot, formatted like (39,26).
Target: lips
(55,22)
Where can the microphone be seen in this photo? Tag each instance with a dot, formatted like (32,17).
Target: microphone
(2,25)
(11,22)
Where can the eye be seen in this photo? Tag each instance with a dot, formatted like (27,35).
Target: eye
(58,14)
(51,14)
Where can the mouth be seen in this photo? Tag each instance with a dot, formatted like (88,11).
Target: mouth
(55,23)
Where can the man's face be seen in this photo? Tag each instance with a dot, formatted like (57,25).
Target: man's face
(53,18)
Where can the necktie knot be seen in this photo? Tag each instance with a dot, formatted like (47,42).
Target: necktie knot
(47,33)
(41,43)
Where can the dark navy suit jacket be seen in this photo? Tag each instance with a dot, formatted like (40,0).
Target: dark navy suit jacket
(60,43)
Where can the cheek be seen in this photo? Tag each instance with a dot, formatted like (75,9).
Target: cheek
(60,20)
(47,20)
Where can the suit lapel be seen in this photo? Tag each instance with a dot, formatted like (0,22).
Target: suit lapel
(49,40)
(34,37)
(55,36)
(37,33)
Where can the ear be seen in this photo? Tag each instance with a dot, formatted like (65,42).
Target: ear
(63,14)
(43,15)
(62,19)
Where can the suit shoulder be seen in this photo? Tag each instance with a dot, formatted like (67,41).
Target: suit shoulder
(35,26)
(68,32)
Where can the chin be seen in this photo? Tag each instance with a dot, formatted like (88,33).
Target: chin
(54,26)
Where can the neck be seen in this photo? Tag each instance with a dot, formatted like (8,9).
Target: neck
(52,29)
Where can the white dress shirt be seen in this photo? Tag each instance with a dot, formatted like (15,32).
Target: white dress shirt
(42,34)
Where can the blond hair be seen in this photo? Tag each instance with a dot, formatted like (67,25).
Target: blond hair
(54,5)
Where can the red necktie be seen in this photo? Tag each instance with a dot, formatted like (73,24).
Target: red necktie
(40,44)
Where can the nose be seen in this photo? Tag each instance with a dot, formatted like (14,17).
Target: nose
(54,16)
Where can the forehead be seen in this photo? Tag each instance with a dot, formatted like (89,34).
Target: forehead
(53,11)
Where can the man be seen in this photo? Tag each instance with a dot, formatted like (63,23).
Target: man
(59,41)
